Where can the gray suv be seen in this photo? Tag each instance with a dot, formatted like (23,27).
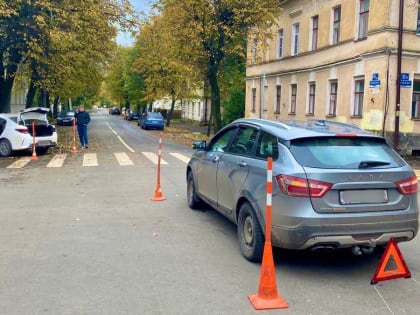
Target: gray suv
(335,185)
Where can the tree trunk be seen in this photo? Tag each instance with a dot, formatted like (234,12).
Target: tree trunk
(215,96)
(7,78)
(55,106)
(171,112)
(30,96)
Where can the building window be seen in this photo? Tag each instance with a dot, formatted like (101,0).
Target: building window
(418,19)
(336,25)
(415,108)
(332,109)
(278,99)
(314,32)
(254,51)
(293,99)
(280,44)
(295,39)
(363,18)
(311,104)
(359,90)
(254,99)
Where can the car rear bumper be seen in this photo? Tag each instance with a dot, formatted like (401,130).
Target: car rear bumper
(336,235)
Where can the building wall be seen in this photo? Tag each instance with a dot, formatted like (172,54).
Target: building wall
(350,59)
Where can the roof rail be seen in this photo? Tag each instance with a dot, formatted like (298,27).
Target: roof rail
(274,123)
(327,123)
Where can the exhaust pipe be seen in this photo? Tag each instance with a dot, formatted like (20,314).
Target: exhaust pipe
(356,250)
(367,250)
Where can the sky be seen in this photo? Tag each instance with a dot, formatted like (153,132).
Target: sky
(125,39)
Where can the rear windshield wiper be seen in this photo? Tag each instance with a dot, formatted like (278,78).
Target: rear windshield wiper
(367,164)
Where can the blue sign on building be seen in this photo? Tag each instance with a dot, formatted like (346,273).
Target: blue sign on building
(405,80)
(375,82)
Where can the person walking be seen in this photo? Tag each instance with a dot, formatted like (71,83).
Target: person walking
(82,121)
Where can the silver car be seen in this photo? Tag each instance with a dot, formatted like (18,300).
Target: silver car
(334,185)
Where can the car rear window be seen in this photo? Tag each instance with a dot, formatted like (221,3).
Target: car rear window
(155,115)
(348,153)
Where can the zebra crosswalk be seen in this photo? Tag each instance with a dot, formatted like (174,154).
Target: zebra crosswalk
(95,160)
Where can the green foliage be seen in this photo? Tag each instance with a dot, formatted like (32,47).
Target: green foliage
(61,46)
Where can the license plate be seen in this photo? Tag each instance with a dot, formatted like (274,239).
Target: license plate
(349,197)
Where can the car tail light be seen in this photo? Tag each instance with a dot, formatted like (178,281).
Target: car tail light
(22,130)
(408,186)
(302,187)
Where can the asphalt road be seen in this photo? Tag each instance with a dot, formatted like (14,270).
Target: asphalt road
(81,239)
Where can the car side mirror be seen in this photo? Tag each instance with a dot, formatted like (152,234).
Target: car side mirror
(199,145)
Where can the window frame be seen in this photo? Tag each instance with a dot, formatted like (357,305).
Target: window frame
(253,99)
(332,104)
(314,32)
(358,97)
(295,39)
(311,98)
(293,97)
(415,103)
(278,100)
(336,23)
(363,19)
(280,43)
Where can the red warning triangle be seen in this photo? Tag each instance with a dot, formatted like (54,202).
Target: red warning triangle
(392,256)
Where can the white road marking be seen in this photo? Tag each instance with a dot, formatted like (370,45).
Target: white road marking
(123,158)
(154,158)
(125,144)
(57,160)
(90,159)
(20,163)
(181,157)
(119,138)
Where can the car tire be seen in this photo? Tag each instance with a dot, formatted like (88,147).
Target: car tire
(194,201)
(5,148)
(250,235)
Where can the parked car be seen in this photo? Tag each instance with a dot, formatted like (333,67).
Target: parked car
(151,120)
(114,111)
(16,131)
(65,118)
(334,185)
(131,114)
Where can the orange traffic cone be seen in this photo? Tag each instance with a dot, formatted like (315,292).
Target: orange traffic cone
(267,296)
(158,196)
(74,149)
(158,193)
(34,156)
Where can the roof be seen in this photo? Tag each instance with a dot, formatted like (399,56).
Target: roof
(294,129)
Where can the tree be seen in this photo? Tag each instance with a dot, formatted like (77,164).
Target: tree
(164,72)
(61,45)
(210,30)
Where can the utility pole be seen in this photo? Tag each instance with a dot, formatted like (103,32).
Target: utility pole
(398,90)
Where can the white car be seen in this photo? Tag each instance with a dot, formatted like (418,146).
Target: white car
(16,131)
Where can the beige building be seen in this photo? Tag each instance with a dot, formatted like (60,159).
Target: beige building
(340,60)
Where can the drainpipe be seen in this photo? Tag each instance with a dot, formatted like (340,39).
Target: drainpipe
(398,90)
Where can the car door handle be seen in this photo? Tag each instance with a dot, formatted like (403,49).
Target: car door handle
(242,164)
(215,159)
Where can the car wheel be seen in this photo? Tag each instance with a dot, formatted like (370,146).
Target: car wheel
(5,148)
(194,202)
(250,235)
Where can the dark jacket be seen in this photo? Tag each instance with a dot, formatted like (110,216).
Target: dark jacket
(83,118)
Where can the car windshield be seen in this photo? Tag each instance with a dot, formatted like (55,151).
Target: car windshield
(347,153)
